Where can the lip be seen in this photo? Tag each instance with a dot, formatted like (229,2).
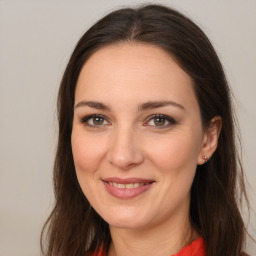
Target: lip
(127,180)
(127,193)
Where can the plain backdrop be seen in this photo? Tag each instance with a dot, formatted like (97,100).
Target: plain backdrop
(36,40)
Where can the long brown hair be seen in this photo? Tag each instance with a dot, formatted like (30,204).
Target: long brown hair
(74,228)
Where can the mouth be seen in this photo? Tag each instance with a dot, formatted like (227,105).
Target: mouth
(127,188)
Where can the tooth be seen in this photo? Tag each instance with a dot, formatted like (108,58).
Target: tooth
(128,186)
(136,185)
(121,185)
(131,185)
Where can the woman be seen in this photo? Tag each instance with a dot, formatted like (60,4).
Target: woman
(146,162)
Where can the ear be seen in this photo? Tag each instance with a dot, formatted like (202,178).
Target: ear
(210,140)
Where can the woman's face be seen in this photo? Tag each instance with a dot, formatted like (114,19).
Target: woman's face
(137,135)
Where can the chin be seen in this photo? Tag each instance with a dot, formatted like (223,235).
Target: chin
(126,224)
(126,221)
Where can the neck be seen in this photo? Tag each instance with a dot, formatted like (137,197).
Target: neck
(166,238)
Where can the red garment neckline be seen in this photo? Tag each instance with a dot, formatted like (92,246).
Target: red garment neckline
(196,248)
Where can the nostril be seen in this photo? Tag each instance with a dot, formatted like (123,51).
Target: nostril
(125,160)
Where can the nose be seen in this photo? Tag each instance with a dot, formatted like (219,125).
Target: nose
(125,151)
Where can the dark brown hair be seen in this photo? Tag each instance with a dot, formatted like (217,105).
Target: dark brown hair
(74,228)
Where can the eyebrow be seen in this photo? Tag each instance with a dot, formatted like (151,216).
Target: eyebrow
(141,107)
(158,104)
(93,104)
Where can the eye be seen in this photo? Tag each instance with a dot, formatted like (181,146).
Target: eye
(94,121)
(160,121)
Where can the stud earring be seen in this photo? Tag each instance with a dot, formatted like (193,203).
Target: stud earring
(205,158)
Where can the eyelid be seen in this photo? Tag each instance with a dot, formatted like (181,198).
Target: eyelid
(86,118)
(171,121)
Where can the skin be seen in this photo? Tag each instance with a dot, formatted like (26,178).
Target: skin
(129,142)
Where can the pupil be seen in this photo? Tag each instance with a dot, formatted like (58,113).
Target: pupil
(98,120)
(159,121)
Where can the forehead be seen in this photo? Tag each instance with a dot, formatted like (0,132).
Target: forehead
(137,70)
(132,59)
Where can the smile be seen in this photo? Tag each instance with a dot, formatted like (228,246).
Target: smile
(127,188)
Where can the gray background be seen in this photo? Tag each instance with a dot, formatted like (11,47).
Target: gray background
(36,40)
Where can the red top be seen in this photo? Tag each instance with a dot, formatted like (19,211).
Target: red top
(196,248)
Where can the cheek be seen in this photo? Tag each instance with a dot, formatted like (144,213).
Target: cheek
(87,152)
(176,161)
(175,152)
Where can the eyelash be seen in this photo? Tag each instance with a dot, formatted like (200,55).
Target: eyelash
(168,119)
(85,120)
